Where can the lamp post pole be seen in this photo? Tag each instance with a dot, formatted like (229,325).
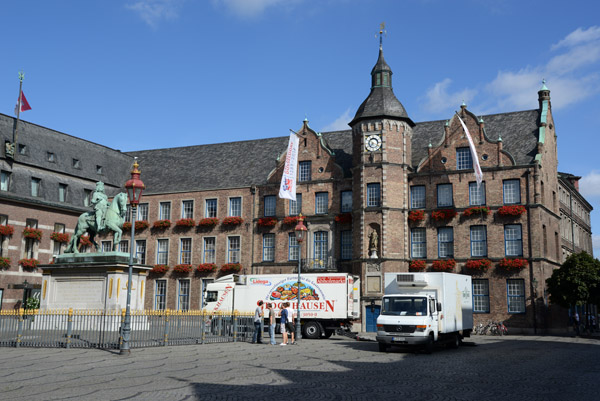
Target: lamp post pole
(134,187)
(300,234)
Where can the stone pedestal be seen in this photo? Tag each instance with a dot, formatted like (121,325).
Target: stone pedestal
(92,281)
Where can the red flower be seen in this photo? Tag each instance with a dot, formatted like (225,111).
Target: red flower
(476,210)
(231,268)
(127,226)
(33,233)
(443,214)
(478,264)
(6,230)
(85,240)
(185,223)
(208,222)
(513,264)
(267,221)
(141,224)
(30,264)
(290,220)
(443,265)
(162,224)
(511,210)
(232,221)
(417,265)
(182,268)
(344,218)
(60,237)
(160,269)
(206,267)
(4,263)
(416,215)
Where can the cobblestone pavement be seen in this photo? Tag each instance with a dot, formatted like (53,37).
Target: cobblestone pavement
(498,368)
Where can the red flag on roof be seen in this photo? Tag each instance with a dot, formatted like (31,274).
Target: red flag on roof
(23,103)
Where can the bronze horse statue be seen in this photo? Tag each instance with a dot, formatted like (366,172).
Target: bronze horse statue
(114,217)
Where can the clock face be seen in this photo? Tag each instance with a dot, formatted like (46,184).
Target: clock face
(373,143)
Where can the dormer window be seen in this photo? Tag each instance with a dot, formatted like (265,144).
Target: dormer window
(22,149)
(51,157)
(76,163)
(98,169)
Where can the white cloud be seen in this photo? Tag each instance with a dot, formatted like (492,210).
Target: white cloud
(439,99)
(152,11)
(252,8)
(579,36)
(589,185)
(340,123)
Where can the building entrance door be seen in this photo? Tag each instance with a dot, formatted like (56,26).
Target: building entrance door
(371,314)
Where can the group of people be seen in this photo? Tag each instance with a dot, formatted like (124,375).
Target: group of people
(588,325)
(287,325)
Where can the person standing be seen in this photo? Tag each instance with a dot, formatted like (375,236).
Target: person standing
(284,319)
(258,315)
(576,323)
(291,328)
(271,316)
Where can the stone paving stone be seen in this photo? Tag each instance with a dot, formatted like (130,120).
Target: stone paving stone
(512,367)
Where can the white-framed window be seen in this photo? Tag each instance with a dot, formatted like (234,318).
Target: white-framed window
(164,211)
(210,250)
(268,247)
(187,209)
(235,207)
(511,191)
(304,171)
(515,294)
(293,247)
(57,246)
(270,205)
(476,196)
(160,295)
(185,256)
(296,206)
(418,243)
(62,192)
(124,246)
(444,195)
(445,242)
(233,249)
(87,201)
(346,245)
(140,251)
(183,294)
(346,200)
(321,245)
(478,241)
(30,243)
(321,202)
(513,240)
(464,160)
(481,296)
(162,251)
(373,194)
(417,197)
(142,212)
(4,180)
(36,183)
(210,208)
(106,246)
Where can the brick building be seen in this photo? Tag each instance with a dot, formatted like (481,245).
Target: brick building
(387,195)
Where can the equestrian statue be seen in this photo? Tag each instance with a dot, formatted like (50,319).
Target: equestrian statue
(106,216)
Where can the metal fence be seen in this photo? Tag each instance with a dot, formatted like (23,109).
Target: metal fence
(101,329)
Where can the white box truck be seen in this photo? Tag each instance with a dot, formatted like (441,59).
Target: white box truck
(328,301)
(425,308)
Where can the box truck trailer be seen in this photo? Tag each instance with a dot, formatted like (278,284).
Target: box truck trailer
(328,301)
(420,309)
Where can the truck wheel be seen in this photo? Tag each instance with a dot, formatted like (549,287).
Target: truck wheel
(429,345)
(455,343)
(312,330)
(328,333)
(383,347)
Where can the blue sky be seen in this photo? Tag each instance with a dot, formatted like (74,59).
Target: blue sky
(142,74)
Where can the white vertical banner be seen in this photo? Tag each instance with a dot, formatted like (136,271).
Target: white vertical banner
(287,190)
(476,166)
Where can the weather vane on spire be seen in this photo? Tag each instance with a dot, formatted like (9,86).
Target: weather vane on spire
(382,32)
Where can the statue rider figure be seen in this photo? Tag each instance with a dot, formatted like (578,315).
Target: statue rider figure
(100,203)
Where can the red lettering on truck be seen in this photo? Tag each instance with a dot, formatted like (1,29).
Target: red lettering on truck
(228,288)
(331,280)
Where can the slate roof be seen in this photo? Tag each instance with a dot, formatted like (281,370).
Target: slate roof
(246,163)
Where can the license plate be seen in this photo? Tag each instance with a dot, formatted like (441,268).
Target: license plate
(398,339)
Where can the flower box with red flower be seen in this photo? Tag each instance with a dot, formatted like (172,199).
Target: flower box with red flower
(513,264)
(183,268)
(208,222)
(141,224)
(6,230)
(443,265)
(126,227)
(206,268)
(4,263)
(161,224)
(185,223)
(478,264)
(232,221)
(511,210)
(290,220)
(416,215)
(60,237)
(476,210)
(417,265)
(160,269)
(84,240)
(344,218)
(443,214)
(30,264)
(32,233)
(231,268)
(267,222)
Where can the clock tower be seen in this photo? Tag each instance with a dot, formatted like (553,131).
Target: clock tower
(381,149)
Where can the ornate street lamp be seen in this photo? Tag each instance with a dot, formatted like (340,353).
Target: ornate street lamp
(300,235)
(134,187)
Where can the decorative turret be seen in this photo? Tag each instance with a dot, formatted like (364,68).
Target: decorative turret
(544,93)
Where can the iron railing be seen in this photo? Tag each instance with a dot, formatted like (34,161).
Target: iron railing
(69,328)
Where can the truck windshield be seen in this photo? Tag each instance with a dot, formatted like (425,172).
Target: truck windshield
(404,306)
(211,296)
